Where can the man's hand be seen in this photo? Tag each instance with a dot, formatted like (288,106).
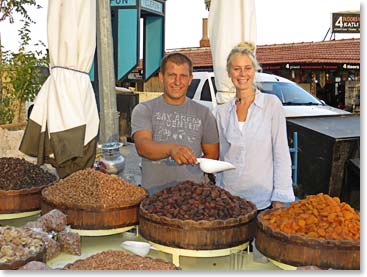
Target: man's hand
(147,148)
(182,154)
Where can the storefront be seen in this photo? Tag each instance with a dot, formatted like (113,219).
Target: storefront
(336,84)
(329,70)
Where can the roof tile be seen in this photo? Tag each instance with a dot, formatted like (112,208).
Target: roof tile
(333,51)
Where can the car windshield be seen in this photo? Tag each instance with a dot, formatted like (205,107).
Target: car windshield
(289,93)
(192,88)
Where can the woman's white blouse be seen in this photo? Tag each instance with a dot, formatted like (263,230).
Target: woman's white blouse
(260,152)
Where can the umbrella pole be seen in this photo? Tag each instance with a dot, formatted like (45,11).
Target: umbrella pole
(109,127)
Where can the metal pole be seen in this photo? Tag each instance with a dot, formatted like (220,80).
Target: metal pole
(109,117)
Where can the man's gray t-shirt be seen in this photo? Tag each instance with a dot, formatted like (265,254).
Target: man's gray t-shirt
(190,124)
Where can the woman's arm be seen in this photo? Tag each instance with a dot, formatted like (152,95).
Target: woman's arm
(283,189)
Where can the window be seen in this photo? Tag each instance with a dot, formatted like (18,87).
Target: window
(192,88)
(289,93)
(205,94)
(214,86)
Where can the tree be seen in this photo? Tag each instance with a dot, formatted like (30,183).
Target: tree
(8,8)
(23,78)
(6,112)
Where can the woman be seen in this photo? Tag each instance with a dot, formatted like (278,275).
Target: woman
(252,131)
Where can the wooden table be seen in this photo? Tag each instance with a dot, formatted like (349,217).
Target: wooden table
(92,245)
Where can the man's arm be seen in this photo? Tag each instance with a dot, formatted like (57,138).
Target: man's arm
(211,151)
(147,148)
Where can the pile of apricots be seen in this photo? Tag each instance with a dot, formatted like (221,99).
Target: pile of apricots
(318,216)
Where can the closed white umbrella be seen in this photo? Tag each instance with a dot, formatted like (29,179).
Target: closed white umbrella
(64,122)
(230,23)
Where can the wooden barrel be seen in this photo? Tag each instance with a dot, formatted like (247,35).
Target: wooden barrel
(22,200)
(297,250)
(197,235)
(95,219)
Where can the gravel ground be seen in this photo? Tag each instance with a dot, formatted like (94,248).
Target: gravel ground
(132,172)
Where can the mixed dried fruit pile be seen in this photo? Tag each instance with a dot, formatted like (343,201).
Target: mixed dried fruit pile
(18,174)
(193,201)
(317,216)
(90,188)
(119,260)
(18,244)
(55,234)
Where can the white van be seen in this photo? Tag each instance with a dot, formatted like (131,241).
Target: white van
(296,101)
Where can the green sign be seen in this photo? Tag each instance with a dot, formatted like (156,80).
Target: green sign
(127,44)
(125,16)
(153,45)
(122,3)
(152,5)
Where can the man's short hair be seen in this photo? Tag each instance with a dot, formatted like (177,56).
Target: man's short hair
(176,58)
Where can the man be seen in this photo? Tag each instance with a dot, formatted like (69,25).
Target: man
(171,131)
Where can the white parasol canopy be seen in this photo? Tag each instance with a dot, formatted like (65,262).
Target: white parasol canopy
(64,122)
(230,23)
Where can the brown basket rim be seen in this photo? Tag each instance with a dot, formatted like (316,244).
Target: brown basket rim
(188,223)
(299,238)
(24,190)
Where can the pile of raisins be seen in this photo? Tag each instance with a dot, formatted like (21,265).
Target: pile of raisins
(16,173)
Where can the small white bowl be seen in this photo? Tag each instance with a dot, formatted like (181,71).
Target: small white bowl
(137,247)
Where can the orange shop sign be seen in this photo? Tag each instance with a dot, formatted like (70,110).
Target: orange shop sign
(345,23)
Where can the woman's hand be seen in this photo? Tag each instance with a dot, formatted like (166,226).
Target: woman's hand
(277,204)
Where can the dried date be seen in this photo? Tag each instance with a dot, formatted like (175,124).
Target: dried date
(193,201)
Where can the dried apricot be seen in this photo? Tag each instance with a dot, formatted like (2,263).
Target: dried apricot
(319,216)
(301,222)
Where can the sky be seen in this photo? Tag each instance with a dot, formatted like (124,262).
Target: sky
(278,21)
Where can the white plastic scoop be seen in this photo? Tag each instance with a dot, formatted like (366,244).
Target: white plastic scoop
(137,247)
(213,166)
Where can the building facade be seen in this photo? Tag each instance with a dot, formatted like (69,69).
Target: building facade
(329,70)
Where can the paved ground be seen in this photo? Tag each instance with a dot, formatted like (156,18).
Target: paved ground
(132,172)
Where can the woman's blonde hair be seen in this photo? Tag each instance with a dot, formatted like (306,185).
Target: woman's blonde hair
(243,48)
